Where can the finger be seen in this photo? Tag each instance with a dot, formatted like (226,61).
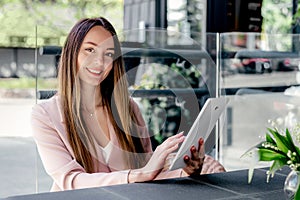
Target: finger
(201,148)
(195,162)
(194,153)
(192,167)
(186,159)
(171,146)
(171,141)
(175,138)
(189,162)
(189,169)
(178,135)
(174,143)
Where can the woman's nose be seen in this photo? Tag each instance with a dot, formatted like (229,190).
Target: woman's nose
(99,61)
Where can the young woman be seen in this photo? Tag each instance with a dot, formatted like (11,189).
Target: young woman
(91,133)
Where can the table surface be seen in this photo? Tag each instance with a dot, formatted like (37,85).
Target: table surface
(228,185)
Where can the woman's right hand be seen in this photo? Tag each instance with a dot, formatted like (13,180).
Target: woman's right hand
(157,160)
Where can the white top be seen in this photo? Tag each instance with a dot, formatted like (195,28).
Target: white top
(106,151)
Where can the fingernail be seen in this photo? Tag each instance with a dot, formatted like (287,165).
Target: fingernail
(186,157)
(193,149)
(201,141)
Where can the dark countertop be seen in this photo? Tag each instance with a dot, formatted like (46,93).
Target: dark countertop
(229,185)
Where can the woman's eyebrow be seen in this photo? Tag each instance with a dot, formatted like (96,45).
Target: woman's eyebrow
(92,43)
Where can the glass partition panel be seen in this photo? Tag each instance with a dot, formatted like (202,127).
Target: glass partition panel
(49,43)
(170,75)
(259,73)
(17,96)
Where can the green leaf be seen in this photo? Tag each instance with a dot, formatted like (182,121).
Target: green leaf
(277,164)
(269,155)
(262,145)
(297,194)
(270,139)
(291,143)
(281,141)
(290,140)
(298,154)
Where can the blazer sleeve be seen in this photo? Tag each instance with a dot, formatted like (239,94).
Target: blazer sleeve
(58,161)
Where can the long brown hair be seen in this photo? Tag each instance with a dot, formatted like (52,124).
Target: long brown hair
(115,98)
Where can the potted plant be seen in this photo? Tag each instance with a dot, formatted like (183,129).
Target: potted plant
(280,149)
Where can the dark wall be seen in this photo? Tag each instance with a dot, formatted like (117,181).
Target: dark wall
(234,15)
(220,15)
(152,12)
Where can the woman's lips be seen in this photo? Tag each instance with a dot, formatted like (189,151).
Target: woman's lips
(94,71)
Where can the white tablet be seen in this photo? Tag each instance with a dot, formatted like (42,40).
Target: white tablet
(202,127)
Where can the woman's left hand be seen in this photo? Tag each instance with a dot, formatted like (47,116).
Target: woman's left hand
(199,163)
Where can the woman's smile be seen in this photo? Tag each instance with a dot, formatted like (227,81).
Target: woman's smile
(96,72)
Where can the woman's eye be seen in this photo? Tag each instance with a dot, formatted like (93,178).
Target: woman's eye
(109,54)
(91,50)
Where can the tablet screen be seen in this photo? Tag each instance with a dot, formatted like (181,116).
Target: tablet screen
(202,127)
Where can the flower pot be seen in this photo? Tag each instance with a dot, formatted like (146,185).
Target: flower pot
(291,184)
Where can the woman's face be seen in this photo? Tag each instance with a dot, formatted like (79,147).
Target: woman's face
(95,56)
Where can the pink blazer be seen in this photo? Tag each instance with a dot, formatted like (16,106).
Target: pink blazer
(58,158)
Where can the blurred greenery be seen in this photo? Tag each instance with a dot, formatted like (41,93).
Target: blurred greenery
(27,83)
(296,17)
(278,19)
(163,114)
(50,20)
(277,16)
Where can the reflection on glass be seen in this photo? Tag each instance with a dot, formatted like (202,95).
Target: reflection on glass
(261,77)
